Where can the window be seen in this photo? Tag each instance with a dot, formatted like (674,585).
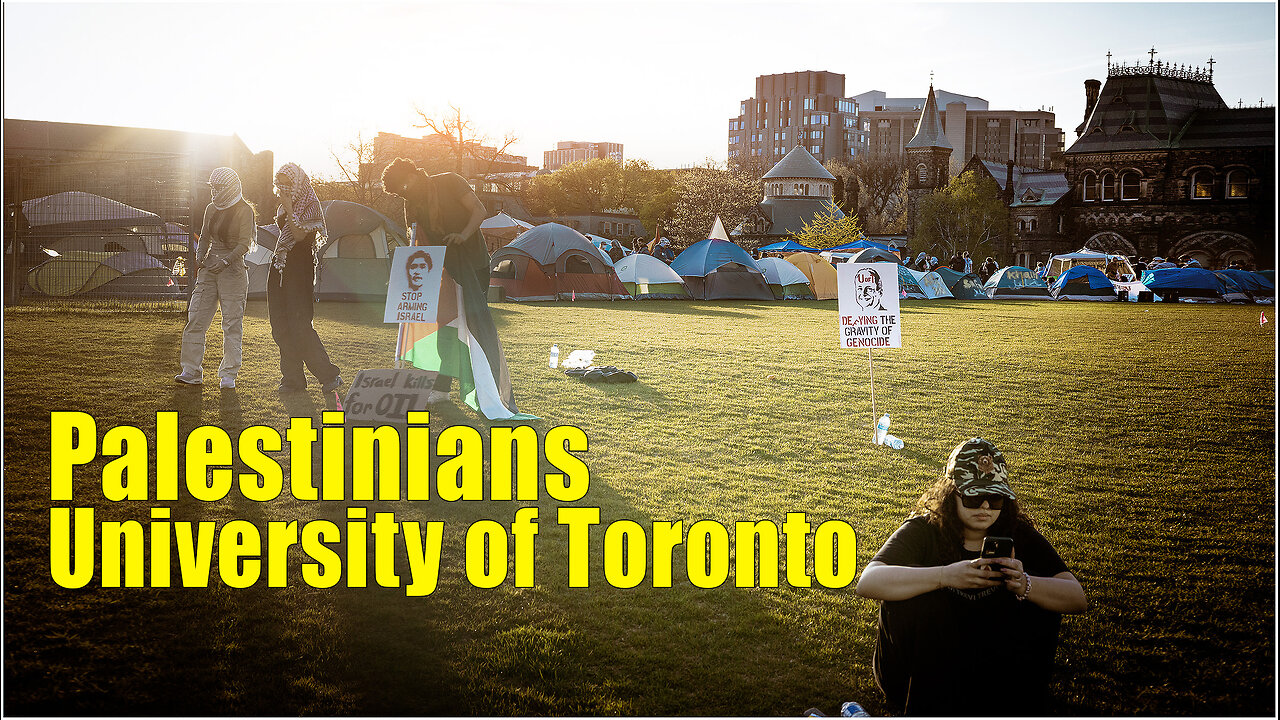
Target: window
(1089,187)
(1237,184)
(815,150)
(1130,186)
(1108,187)
(1031,225)
(742,110)
(922,172)
(1202,185)
(808,103)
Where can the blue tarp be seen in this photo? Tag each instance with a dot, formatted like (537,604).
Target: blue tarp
(1199,280)
(1250,282)
(706,256)
(1095,277)
(787,246)
(861,245)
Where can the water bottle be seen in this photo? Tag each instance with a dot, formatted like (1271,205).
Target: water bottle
(555,357)
(853,709)
(882,428)
(893,442)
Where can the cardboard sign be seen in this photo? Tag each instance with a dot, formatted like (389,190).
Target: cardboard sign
(869,316)
(383,396)
(413,289)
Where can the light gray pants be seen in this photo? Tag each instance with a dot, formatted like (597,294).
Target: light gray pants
(228,289)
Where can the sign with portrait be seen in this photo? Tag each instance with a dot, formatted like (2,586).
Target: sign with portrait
(414,287)
(869,316)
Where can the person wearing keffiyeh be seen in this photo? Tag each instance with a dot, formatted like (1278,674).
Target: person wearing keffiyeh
(222,280)
(291,283)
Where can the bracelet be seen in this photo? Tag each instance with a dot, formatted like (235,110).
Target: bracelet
(1026,588)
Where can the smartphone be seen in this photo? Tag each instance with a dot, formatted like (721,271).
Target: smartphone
(996,547)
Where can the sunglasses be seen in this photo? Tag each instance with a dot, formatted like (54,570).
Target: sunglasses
(973,502)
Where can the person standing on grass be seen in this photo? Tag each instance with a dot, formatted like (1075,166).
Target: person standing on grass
(222,280)
(960,634)
(968,262)
(291,283)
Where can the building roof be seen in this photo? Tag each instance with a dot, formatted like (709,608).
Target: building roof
(1159,108)
(929,133)
(790,215)
(1031,187)
(799,164)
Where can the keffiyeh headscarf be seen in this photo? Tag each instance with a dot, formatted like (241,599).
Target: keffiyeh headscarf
(307,213)
(225,185)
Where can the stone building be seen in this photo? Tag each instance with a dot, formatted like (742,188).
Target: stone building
(795,190)
(1037,202)
(928,157)
(1162,166)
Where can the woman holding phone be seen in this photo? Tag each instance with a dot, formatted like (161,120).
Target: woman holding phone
(960,633)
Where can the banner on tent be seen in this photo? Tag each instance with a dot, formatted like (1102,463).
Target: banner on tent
(413,290)
(869,314)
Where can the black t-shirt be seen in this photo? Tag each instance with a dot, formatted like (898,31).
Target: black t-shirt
(936,652)
(471,255)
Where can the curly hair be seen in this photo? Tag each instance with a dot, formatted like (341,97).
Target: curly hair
(938,505)
(396,178)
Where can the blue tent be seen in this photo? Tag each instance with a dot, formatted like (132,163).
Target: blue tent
(715,269)
(1083,282)
(1016,283)
(908,286)
(787,246)
(963,286)
(1251,282)
(1175,283)
(861,245)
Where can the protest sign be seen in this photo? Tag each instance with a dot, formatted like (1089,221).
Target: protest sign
(413,289)
(869,316)
(382,396)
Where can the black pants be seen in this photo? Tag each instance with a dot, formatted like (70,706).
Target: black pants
(290,309)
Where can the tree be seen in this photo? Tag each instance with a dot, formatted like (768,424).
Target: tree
(968,214)
(707,191)
(357,178)
(826,230)
(882,190)
(592,186)
(464,150)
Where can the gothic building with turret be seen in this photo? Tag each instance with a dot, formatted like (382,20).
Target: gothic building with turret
(928,156)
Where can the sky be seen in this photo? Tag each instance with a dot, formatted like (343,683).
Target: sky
(661,77)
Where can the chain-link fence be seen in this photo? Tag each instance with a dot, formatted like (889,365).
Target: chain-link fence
(106,231)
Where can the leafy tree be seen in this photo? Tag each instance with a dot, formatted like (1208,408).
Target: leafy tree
(592,186)
(707,191)
(968,214)
(464,149)
(826,230)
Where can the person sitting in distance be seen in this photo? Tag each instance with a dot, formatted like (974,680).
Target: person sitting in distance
(960,634)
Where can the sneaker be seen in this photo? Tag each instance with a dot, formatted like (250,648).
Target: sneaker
(287,385)
(437,396)
(333,384)
(186,379)
(227,383)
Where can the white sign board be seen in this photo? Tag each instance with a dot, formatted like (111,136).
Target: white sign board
(414,287)
(869,316)
(383,396)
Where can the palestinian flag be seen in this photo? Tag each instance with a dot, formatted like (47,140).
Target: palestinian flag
(463,345)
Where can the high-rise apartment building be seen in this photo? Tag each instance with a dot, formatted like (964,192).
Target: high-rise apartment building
(800,108)
(576,151)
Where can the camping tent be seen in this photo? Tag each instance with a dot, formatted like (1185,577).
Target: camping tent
(647,278)
(1059,264)
(864,245)
(97,274)
(554,261)
(785,280)
(907,285)
(931,284)
(1016,283)
(502,229)
(1083,282)
(1195,284)
(356,261)
(715,269)
(821,274)
(963,286)
(259,260)
(1231,290)
(874,254)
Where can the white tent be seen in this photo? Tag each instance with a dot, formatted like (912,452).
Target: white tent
(1059,264)
(932,284)
(785,280)
(647,277)
(717,230)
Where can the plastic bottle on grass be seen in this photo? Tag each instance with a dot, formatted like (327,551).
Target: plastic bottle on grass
(893,442)
(882,428)
(555,357)
(853,709)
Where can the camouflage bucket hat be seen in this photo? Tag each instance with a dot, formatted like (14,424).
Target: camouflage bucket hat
(977,467)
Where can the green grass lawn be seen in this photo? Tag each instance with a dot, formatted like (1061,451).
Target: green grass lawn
(1141,437)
